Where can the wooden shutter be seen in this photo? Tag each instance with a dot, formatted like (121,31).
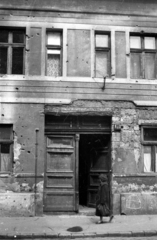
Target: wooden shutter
(35,52)
(120,42)
(79,53)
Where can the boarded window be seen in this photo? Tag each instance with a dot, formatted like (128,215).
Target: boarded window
(120,41)
(102,55)
(79,53)
(54,54)
(143,53)
(12,44)
(6,142)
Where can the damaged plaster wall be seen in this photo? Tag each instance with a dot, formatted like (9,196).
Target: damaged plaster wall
(25,119)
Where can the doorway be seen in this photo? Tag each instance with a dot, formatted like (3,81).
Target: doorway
(94,158)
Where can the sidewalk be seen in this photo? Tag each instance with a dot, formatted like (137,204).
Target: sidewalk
(56,226)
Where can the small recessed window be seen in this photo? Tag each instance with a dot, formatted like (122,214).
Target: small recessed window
(150,149)
(6,147)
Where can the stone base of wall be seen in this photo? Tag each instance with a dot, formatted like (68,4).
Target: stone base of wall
(135,203)
(20,204)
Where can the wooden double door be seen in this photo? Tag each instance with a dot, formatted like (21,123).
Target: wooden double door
(63,175)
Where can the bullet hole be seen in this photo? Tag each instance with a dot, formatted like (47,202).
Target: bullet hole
(28,151)
(21,135)
(17,88)
(38,34)
(2,115)
(27,50)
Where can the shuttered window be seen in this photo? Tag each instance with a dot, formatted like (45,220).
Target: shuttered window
(12,45)
(102,55)
(143,50)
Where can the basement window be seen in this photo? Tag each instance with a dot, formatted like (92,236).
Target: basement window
(149,135)
(6,147)
(143,52)
(12,45)
(102,55)
(54,54)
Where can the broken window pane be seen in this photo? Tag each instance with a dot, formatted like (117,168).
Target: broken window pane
(101,64)
(3,36)
(54,38)
(3,60)
(150,65)
(17,61)
(5,157)
(53,63)
(101,40)
(135,42)
(149,42)
(135,65)
(18,37)
(147,159)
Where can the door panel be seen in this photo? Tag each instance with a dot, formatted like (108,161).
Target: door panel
(60,174)
(100,164)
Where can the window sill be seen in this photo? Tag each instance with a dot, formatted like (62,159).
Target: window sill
(150,174)
(76,79)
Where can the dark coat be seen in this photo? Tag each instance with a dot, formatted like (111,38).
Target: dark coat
(102,200)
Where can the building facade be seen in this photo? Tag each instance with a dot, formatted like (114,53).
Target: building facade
(78,97)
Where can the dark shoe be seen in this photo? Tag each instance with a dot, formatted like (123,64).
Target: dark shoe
(111,217)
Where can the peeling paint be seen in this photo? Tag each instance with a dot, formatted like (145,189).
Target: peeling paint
(17,148)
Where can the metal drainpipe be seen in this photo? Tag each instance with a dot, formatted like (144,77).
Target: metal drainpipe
(36,161)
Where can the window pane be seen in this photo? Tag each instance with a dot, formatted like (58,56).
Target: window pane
(18,37)
(101,40)
(3,36)
(149,42)
(54,38)
(3,60)
(150,65)
(147,159)
(5,157)
(135,65)
(17,61)
(53,65)
(155,159)
(135,42)
(101,64)
(150,134)
(5,131)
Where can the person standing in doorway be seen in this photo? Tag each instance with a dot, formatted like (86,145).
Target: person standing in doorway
(102,199)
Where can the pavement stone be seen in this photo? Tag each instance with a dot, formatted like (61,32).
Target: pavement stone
(53,227)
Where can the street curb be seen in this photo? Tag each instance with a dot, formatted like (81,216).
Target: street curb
(77,235)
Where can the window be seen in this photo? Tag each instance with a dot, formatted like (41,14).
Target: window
(12,45)
(143,51)
(54,54)
(149,137)
(6,143)
(102,55)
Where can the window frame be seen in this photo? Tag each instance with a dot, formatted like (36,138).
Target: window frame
(10,46)
(103,49)
(153,145)
(143,52)
(10,142)
(55,47)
